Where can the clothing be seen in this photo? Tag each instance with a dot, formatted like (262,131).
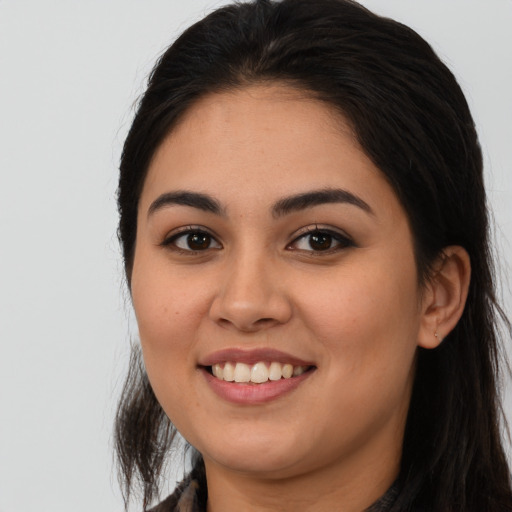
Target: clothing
(190,496)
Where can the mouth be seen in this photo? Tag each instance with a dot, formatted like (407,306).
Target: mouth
(252,377)
(258,373)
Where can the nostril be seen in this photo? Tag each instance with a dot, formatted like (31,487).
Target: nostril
(249,299)
(265,321)
(253,326)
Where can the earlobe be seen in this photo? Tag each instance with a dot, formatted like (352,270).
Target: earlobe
(445,296)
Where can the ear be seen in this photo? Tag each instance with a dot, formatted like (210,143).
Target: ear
(444,296)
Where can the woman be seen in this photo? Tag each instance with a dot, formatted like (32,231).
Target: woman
(305,239)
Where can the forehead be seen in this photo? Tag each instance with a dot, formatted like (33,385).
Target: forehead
(259,143)
(261,105)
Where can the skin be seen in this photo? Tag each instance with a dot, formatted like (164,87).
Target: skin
(355,310)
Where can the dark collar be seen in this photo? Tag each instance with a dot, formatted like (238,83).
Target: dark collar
(190,496)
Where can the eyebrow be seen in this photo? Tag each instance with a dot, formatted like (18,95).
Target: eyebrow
(185,198)
(317,197)
(281,208)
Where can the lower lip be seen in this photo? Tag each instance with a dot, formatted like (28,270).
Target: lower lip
(250,394)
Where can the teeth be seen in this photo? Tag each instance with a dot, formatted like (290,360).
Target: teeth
(275,372)
(287,371)
(297,370)
(257,373)
(218,371)
(242,373)
(229,372)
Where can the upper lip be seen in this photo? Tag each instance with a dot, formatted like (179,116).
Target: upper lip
(252,356)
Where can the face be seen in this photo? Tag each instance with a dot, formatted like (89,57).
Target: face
(268,244)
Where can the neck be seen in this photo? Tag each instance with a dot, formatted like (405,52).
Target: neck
(344,487)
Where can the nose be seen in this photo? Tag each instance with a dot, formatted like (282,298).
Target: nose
(251,297)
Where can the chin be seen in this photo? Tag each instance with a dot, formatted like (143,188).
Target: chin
(254,458)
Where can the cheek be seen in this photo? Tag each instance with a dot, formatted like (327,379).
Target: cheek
(364,316)
(169,316)
(165,303)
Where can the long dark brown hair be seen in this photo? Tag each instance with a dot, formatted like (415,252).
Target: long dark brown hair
(412,120)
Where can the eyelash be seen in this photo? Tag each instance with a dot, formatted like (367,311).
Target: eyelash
(188,231)
(341,241)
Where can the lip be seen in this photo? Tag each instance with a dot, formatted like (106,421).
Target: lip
(253,394)
(251,357)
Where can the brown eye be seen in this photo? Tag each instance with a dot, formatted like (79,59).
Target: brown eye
(320,241)
(198,241)
(193,241)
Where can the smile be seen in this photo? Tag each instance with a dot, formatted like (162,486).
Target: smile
(257,373)
(256,376)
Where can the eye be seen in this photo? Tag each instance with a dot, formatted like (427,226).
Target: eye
(320,240)
(192,240)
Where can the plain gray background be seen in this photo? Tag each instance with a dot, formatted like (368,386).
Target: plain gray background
(70,72)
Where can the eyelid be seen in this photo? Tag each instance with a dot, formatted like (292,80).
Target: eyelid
(173,235)
(343,238)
